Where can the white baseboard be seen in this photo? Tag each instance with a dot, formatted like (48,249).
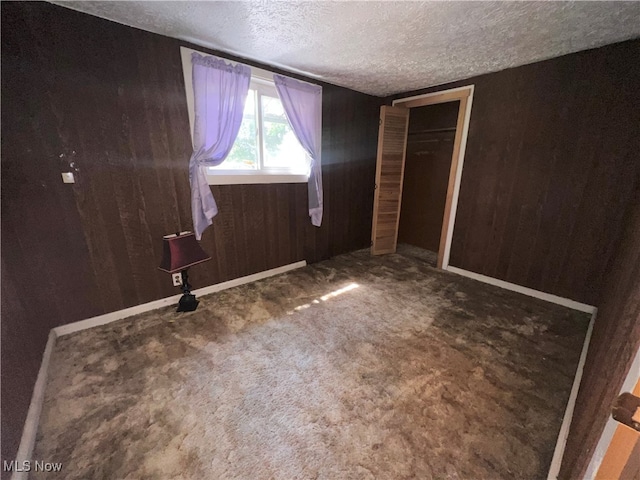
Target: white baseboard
(582,307)
(128,312)
(561,443)
(566,302)
(30,429)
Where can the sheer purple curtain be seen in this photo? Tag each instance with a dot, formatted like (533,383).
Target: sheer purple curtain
(302,103)
(220,91)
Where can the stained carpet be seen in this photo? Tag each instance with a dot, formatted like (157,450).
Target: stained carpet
(352,368)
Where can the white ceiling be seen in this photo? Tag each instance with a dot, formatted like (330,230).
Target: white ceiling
(383,48)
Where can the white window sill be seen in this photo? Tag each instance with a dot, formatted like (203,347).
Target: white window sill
(255,178)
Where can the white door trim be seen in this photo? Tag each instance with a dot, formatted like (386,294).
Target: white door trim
(610,427)
(561,442)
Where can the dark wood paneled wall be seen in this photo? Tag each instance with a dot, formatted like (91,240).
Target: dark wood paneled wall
(434,117)
(107,102)
(426,173)
(549,199)
(551,161)
(614,343)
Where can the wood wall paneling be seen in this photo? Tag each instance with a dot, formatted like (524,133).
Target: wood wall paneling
(425,189)
(110,99)
(429,150)
(433,117)
(547,201)
(550,164)
(550,167)
(614,343)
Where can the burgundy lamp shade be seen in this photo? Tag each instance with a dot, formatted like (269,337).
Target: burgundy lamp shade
(181,251)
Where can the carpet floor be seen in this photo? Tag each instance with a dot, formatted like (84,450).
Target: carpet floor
(358,367)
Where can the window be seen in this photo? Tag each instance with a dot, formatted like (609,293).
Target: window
(266,149)
(266,143)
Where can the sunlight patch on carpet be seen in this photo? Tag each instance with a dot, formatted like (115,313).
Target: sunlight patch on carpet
(326,297)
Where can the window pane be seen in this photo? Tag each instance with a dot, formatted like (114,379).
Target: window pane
(281,147)
(244,154)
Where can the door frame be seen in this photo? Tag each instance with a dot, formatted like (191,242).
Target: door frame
(465,96)
(608,433)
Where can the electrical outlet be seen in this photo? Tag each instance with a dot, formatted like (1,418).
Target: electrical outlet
(67,177)
(177,279)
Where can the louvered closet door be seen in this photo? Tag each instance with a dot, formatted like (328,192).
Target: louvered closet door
(392,148)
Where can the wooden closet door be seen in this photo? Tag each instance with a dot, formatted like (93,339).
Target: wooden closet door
(392,148)
(622,459)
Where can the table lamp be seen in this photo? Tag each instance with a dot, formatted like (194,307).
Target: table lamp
(181,251)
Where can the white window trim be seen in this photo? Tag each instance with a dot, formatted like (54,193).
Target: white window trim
(235,177)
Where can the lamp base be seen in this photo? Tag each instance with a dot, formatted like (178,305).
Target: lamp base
(188,303)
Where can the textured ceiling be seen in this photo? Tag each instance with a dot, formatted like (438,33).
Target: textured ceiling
(383,48)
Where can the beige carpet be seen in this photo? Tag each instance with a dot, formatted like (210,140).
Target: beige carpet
(354,368)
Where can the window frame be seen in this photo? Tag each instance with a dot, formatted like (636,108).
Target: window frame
(262,81)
